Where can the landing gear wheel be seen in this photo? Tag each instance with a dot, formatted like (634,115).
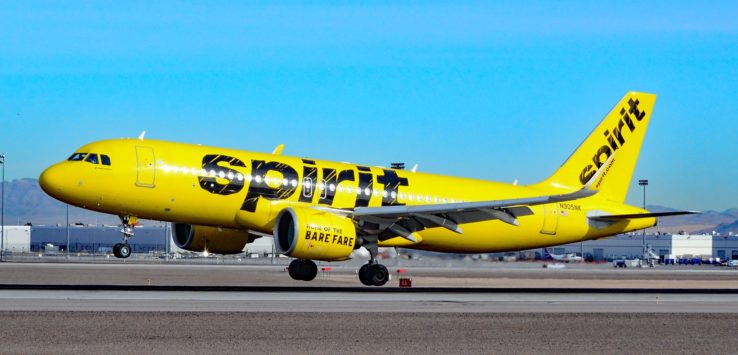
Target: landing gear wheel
(373,275)
(379,274)
(124,250)
(364,276)
(116,250)
(303,269)
(121,250)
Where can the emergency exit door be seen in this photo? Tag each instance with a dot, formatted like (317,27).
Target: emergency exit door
(146,167)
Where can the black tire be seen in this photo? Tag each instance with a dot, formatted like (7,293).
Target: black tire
(379,274)
(364,275)
(293,269)
(310,270)
(124,251)
(116,250)
(303,270)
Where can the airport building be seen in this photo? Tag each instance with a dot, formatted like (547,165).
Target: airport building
(100,239)
(630,245)
(96,239)
(156,239)
(16,239)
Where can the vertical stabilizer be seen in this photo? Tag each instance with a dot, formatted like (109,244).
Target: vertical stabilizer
(620,134)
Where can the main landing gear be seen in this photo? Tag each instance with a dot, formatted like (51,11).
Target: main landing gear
(303,269)
(123,250)
(373,273)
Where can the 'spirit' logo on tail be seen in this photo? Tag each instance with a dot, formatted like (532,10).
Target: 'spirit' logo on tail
(613,140)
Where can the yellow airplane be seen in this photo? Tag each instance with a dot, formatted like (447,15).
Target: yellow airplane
(218,199)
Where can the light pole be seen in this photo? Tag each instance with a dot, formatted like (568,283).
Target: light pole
(67,253)
(166,241)
(644,183)
(2,212)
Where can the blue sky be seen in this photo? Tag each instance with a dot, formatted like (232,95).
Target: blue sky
(494,91)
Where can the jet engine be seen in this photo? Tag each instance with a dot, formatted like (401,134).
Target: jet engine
(211,239)
(306,233)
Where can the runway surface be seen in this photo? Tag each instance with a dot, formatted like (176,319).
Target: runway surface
(513,275)
(365,333)
(88,308)
(342,301)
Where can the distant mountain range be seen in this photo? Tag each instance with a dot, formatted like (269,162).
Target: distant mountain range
(26,202)
(706,222)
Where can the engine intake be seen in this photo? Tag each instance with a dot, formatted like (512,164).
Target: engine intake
(311,234)
(213,239)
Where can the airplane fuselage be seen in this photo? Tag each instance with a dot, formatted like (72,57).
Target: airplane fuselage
(236,189)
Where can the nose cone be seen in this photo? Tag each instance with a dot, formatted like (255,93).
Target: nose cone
(52,181)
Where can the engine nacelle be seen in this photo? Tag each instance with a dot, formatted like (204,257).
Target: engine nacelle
(213,239)
(306,233)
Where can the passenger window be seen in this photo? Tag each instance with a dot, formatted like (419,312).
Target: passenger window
(77,157)
(324,189)
(307,187)
(92,158)
(105,159)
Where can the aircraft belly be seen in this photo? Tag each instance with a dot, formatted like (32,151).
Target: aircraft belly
(497,236)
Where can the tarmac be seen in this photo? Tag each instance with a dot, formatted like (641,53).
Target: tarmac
(460,275)
(503,308)
(350,301)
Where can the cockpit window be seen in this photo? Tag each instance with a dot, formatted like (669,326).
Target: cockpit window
(92,158)
(77,157)
(105,159)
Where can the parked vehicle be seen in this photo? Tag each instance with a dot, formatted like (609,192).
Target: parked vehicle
(625,263)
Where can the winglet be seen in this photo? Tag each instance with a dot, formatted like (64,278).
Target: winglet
(278,149)
(141,136)
(415,168)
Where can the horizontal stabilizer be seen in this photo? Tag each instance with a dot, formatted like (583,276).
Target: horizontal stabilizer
(618,217)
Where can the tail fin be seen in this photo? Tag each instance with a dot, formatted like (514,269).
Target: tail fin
(547,254)
(621,132)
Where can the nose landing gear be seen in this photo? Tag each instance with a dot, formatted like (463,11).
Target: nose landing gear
(123,250)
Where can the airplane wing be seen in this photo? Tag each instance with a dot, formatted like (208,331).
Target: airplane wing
(392,221)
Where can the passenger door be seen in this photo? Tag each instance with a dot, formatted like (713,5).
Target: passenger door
(146,167)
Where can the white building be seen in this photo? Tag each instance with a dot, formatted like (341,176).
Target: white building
(16,239)
(695,245)
(631,245)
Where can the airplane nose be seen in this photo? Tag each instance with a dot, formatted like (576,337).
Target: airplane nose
(51,180)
